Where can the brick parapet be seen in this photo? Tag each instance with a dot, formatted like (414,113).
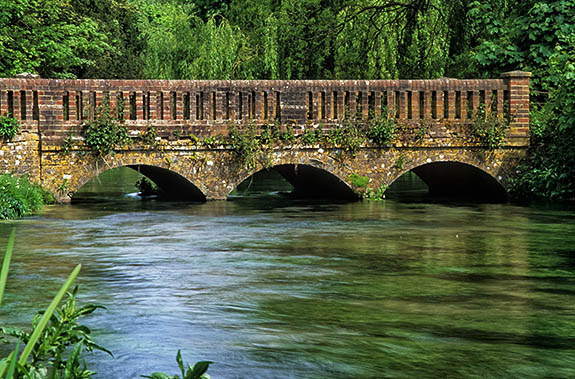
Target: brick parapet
(439,103)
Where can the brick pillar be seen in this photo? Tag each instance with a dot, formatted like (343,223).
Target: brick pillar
(139,105)
(518,84)
(427,104)
(365,105)
(127,106)
(72,105)
(440,104)
(3,102)
(451,104)
(377,103)
(499,103)
(340,105)
(16,97)
(233,106)
(475,107)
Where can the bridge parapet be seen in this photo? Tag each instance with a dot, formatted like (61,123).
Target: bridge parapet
(54,107)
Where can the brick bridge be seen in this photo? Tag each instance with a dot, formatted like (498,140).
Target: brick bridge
(433,118)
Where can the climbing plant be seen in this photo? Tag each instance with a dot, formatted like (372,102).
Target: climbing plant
(105,133)
(489,128)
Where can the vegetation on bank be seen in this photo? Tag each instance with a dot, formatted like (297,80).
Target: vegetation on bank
(19,197)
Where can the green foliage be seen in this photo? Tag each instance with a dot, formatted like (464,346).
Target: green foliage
(377,194)
(549,170)
(62,187)
(381,130)
(269,135)
(211,142)
(19,197)
(6,264)
(349,136)
(48,37)
(287,135)
(55,330)
(67,145)
(8,127)
(146,187)
(149,136)
(358,181)
(197,371)
(104,134)
(489,129)
(421,132)
(180,45)
(400,162)
(312,136)
(246,145)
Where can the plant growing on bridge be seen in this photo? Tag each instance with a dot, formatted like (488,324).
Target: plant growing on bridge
(312,136)
(148,137)
(377,194)
(358,181)
(104,134)
(246,144)
(9,126)
(381,130)
(287,135)
(269,134)
(211,142)
(421,132)
(489,128)
(349,136)
(399,162)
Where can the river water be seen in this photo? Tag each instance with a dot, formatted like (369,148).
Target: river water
(272,287)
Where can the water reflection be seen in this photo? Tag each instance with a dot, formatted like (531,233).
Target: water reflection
(269,286)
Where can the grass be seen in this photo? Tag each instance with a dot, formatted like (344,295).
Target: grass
(19,197)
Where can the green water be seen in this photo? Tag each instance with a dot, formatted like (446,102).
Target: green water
(272,287)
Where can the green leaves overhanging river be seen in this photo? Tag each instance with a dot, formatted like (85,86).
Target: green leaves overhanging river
(267,286)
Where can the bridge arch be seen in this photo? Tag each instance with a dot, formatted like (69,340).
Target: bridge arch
(175,185)
(458,178)
(308,180)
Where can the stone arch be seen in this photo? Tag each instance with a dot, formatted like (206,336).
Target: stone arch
(174,183)
(458,177)
(308,179)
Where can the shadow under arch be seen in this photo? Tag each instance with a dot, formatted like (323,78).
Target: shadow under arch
(311,182)
(460,180)
(172,186)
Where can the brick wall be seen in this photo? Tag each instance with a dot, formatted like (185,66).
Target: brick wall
(55,107)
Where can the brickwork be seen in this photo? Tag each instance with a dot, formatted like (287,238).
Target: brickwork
(52,110)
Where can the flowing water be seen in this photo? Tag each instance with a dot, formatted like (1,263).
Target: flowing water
(272,287)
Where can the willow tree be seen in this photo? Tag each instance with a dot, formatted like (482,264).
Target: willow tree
(180,45)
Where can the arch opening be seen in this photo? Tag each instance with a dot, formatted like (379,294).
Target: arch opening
(300,180)
(453,180)
(120,182)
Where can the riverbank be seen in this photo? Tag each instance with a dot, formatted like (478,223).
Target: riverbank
(19,197)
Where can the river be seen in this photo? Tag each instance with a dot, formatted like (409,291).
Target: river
(267,286)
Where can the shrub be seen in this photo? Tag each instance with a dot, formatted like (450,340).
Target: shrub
(19,197)
(104,133)
(245,144)
(489,129)
(381,130)
(8,127)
